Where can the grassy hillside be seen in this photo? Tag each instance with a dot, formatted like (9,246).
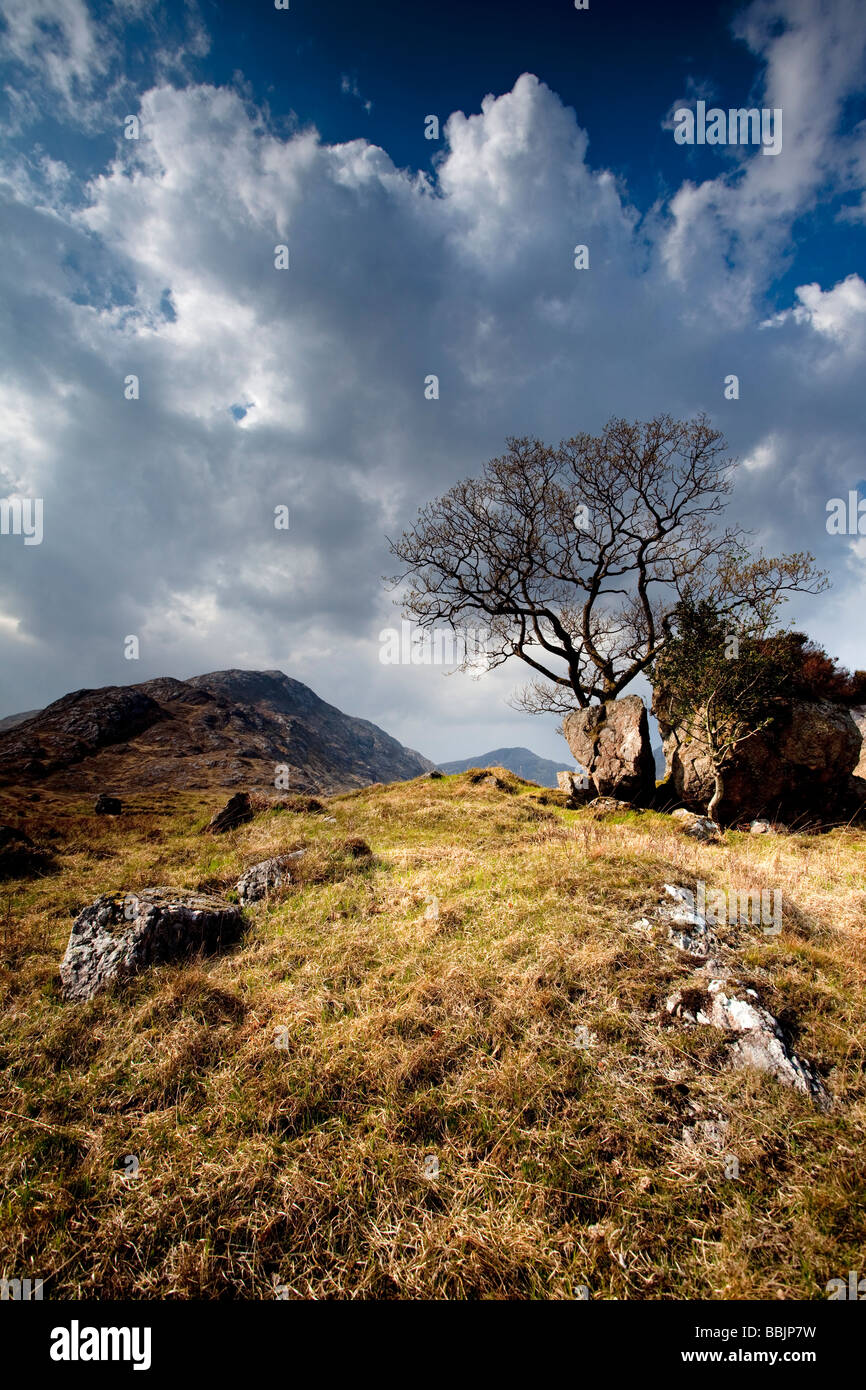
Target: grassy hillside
(301,1169)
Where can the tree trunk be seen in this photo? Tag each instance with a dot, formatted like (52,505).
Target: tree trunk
(718,793)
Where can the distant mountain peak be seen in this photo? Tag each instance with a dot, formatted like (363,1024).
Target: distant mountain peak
(521,761)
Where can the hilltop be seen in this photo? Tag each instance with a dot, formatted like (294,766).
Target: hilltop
(226,729)
(443,1069)
(531,766)
(521,761)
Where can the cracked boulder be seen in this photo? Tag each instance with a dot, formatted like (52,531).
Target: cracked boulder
(612,742)
(119,935)
(266,877)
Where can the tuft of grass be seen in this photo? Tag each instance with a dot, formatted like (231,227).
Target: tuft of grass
(451,974)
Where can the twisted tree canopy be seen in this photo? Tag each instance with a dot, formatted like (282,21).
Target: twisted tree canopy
(572,558)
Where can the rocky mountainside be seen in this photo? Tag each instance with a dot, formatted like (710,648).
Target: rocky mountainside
(12,719)
(228,728)
(521,761)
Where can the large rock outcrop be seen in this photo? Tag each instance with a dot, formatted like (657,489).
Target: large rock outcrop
(122,933)
(799,767)
(612,742)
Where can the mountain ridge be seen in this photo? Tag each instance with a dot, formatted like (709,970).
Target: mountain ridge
(229,728)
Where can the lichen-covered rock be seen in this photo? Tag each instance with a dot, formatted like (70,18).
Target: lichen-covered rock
(121,934)
(760,1042)
(688,928)
(267,877)
(237,811)
(612,742)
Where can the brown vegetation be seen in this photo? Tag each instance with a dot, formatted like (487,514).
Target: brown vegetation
(282,1100)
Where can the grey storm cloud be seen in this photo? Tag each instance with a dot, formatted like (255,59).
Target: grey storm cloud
(304,387)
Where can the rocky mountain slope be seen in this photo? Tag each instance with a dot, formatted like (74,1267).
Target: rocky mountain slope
(12,720)
(228,728)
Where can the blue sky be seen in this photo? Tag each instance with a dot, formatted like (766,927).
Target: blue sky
(408,256)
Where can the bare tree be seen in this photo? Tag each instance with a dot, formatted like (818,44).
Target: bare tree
(572,558)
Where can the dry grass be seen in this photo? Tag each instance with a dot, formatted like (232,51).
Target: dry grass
(409,1030)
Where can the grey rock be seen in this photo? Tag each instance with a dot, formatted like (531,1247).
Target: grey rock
(577,786)
(266,877)
(759,1041)
(688,929)
(121,934)
(605,805)
(642,924)
(697,827)
(612,742)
